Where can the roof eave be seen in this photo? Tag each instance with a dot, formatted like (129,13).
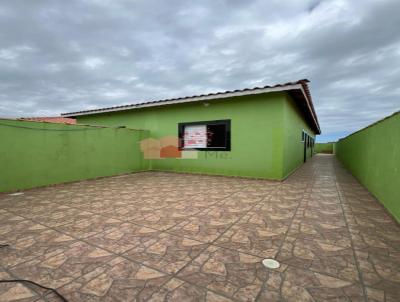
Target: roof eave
(208,97)
(311,110)
(182,100)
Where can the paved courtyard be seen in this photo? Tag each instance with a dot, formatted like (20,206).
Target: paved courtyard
(156,236)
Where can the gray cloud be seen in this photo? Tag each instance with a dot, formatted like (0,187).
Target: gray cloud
(60,56)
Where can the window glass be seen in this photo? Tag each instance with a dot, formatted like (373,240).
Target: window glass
(216,135)
(195,136)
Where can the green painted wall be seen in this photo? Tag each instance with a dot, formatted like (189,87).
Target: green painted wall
(324,147)
(48,154)
(372,155)
(256,133)
(293,146)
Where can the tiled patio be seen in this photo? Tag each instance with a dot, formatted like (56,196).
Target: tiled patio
(178,237)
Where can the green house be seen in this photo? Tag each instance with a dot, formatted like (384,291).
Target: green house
(263,132)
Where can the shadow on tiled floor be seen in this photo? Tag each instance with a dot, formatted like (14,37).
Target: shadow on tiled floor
(177,237)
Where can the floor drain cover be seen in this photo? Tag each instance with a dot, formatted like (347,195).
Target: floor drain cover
(270,263)
(16,194)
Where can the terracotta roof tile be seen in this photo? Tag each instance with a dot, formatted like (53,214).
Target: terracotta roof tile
(48,119)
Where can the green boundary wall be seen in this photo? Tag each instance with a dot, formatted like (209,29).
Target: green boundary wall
(324,148)
(34,154)
(372,155)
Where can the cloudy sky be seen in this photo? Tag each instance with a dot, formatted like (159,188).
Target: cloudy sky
(61,56)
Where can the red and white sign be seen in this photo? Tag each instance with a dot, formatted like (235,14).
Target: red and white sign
(195,136)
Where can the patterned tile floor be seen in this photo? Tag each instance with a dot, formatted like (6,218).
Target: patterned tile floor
(179,237)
